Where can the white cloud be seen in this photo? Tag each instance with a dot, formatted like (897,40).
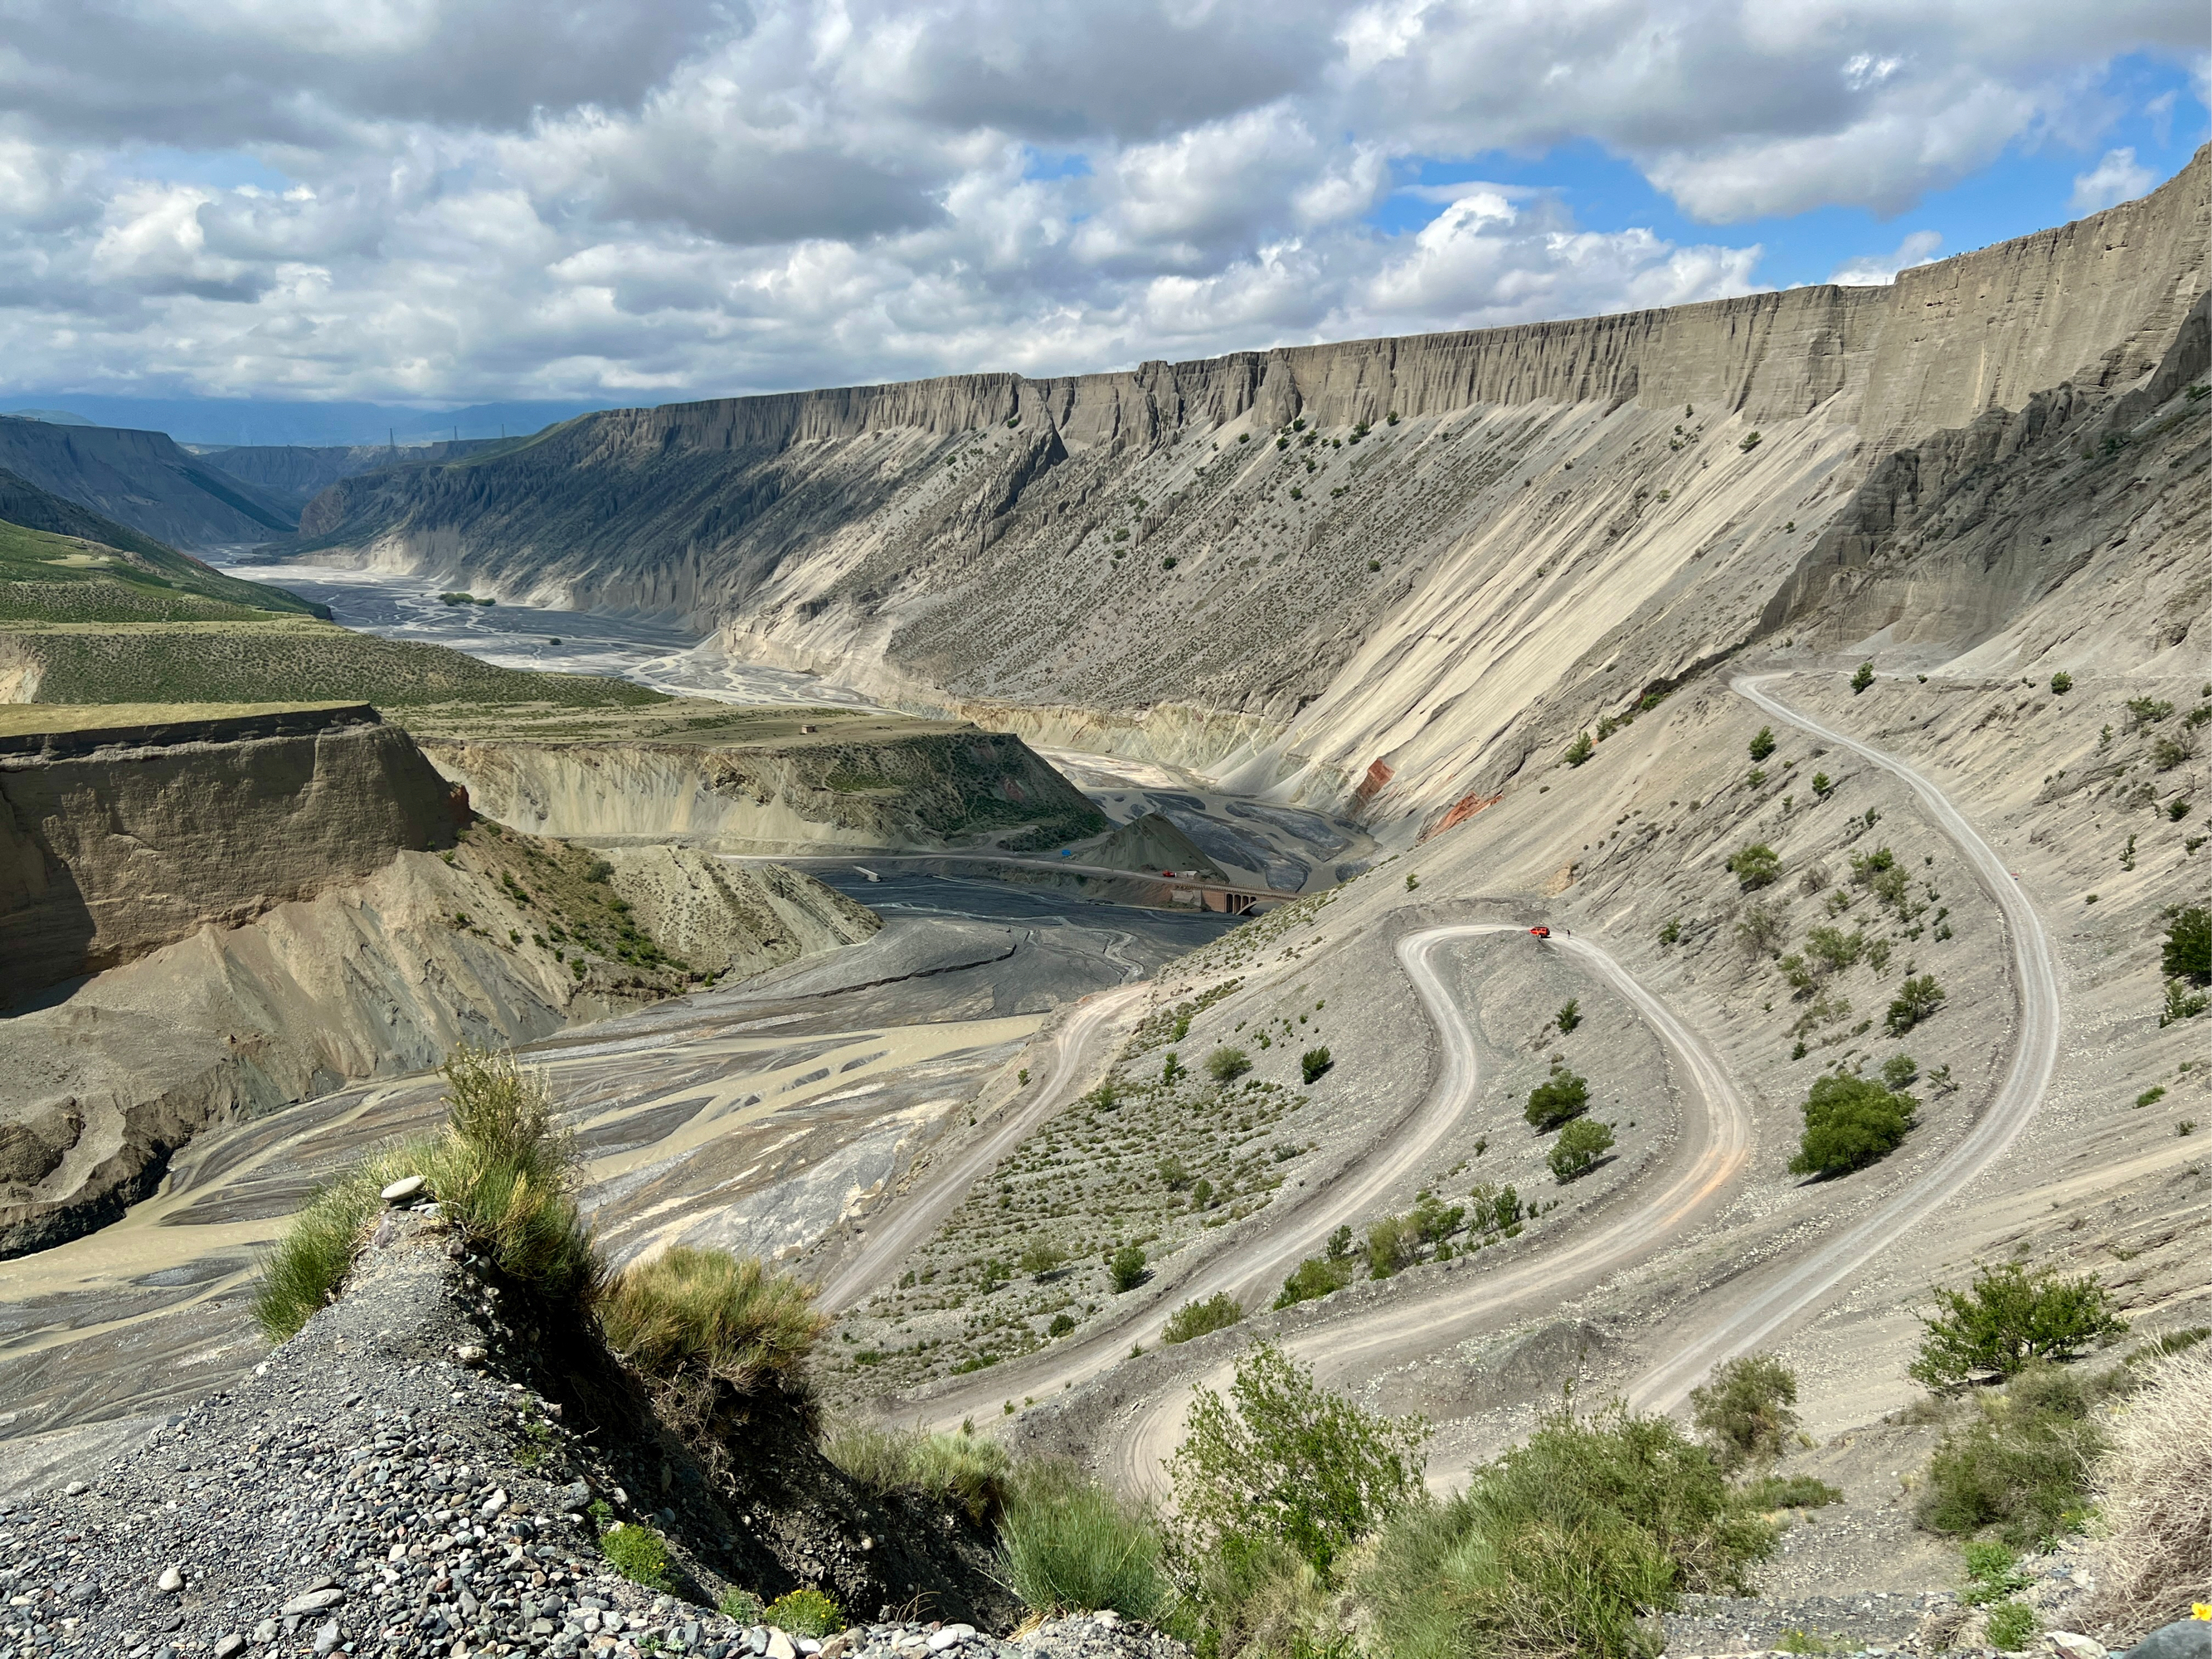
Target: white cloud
(481,198)
(2115,178)
(1872,271)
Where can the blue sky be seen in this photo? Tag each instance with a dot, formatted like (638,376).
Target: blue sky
(485,202)
(2028,188)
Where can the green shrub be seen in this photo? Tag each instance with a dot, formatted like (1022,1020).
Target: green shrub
(1897,1071)
(639,1554)
(2061,684)
(960,1469)
(1754,866)
(1580,1145)
(2187,953)
(2012,1625)
(1794,1491)
(1557,1099)
(1061,1324)
(1863,679)
(742,1605)
(1284,1459)
(502,1172)
(1917,999)
(1312,1064)
(1070,1545)
(692,1321)
(1580,749)
(805,1612)
(1822,783)
(1316,1277)
(1569,1016)
(1390,1245)
(2146,711)
(1126,1267)
(2007,1319)
(1761,932)
(1851,1122)
(1561,1546)
(1834,949)
(1215,1313)
(1227,1065)
(1762,745)
(1042,1257)
(1745,1409)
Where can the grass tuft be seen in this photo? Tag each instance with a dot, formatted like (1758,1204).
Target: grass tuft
(501,1173)
(962,1469)
(1068,1545)
(639,1554)
(691,1320)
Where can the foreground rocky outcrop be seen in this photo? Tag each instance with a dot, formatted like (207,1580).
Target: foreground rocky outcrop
(377,1488)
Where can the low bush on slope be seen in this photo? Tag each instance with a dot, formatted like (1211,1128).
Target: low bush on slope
(1851,1122)
(502,1172)
(2007,1319)
(2021,1467)
(1561,1545)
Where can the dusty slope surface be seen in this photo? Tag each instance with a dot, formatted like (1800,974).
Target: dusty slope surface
(145,481)
(1246,564)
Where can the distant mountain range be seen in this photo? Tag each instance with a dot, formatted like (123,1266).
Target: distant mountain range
(268,421)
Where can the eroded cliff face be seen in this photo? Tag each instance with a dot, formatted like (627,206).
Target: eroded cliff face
(1248,565)
(944,785)
(121,836)
(295,910)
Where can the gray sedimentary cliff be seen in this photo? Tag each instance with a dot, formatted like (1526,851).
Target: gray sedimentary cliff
(291,908)
(942,786)
(123,836)
(1287,566)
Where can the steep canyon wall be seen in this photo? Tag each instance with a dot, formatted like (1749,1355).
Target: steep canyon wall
(1287,565)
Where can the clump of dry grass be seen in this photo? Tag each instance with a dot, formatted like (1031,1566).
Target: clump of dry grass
(702,1325)
(503,1171)
(2155,1493)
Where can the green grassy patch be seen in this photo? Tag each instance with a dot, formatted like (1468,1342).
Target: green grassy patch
(49,576)
(288,661)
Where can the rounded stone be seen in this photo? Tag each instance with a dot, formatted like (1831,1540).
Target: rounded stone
(403,1190)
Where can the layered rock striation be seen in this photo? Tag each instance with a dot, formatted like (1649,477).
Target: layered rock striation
(135,828)
(1287,567)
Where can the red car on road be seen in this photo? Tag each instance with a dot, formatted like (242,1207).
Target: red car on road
(1541,932)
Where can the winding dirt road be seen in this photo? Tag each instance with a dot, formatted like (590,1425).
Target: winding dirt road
(1744,1323)
(1661,1208)
(1711,1152)
(1078,1050)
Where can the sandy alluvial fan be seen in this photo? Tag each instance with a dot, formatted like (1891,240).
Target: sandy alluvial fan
(1711,1161)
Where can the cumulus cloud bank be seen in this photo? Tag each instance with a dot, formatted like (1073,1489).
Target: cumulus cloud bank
(653,198)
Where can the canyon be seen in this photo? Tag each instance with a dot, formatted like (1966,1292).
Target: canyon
(1418,644)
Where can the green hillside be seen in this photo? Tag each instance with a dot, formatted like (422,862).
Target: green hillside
(286,660)
(63,563)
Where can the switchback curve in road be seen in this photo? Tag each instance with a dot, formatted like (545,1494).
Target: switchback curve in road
(1744,1325)
(903,1225)
(1711,1151)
